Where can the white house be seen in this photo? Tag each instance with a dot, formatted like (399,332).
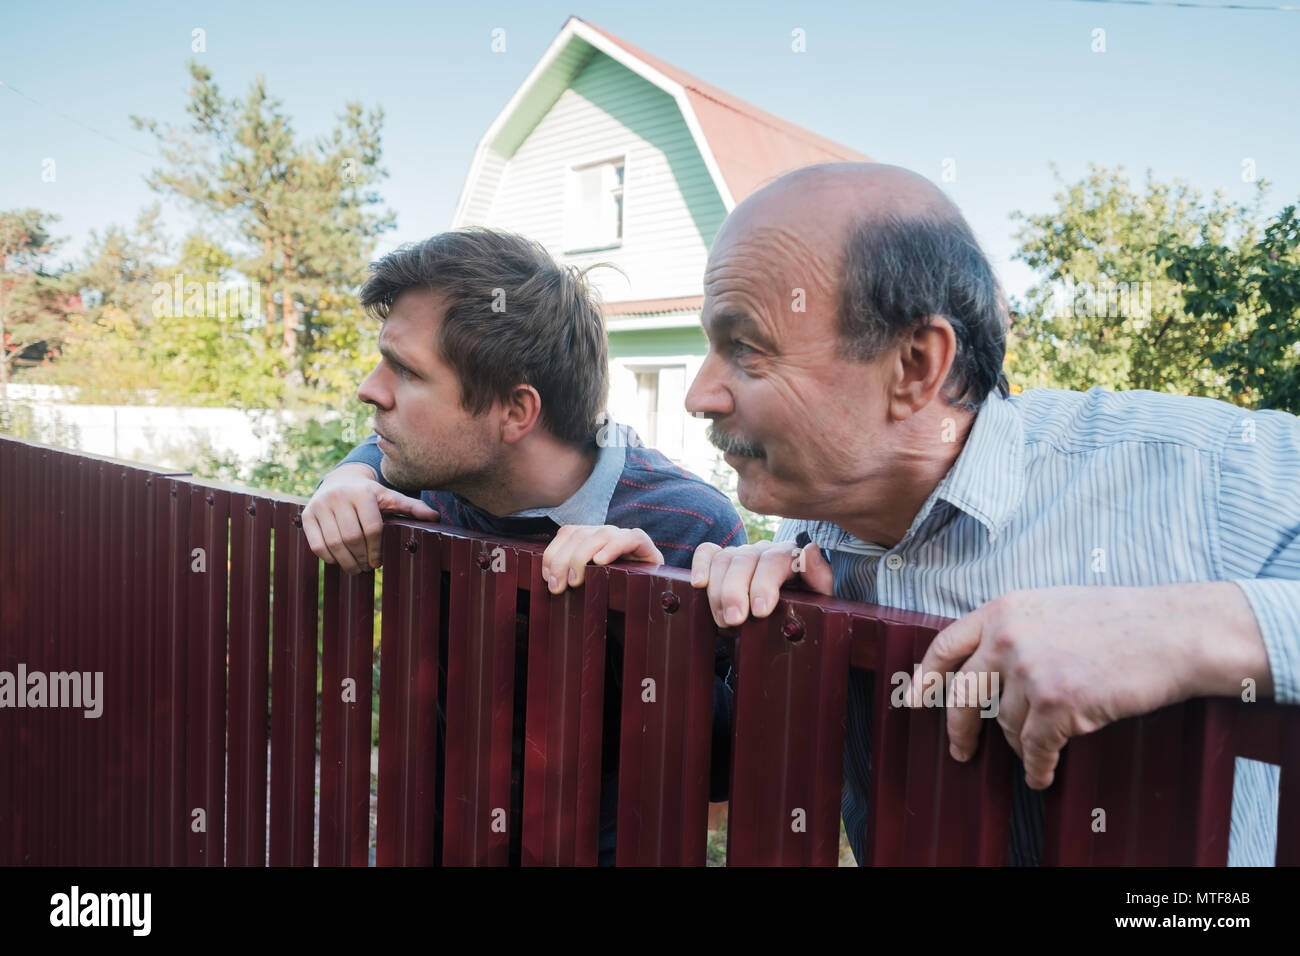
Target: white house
(608,154)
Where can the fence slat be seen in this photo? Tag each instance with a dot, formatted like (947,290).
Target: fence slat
(789,741)
(927,751)
(171,817)
(46,620)
(566,694)
(293,694)
(890,734)
(37,755)
(1082,786)
(885,801)
(250,579)
(59,786)
(1288,808)
(1207,813)
(91,635)
(61,783)
(480,705)
(83,744)
(347,667)
(408,695)
(70,656)
(137,659)
(206,692)
(663,786)
(111,742)
(987,799)
(1156,788)
(12,494)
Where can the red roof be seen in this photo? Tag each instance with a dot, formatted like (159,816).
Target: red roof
(752,146)
(686,303)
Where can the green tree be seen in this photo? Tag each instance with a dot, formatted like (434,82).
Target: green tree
(156,328)
(105,352)
(1256,284)
(34,298)
(210,350)
(1106,310)
(304,215)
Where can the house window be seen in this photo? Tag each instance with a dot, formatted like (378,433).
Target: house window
(594,207)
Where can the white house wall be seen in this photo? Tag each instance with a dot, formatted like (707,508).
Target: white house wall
(480,202)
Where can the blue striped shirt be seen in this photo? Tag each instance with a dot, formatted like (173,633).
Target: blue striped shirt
(1070,488)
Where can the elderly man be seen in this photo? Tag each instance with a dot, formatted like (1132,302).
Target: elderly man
(1106,554)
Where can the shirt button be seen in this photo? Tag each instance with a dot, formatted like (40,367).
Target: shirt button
(894,562)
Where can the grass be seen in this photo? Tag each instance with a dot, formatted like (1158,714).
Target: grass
(716,852)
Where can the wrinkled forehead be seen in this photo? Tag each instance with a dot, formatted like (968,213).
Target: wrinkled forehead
(771,266)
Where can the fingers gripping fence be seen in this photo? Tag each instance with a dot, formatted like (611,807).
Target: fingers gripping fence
(217,637)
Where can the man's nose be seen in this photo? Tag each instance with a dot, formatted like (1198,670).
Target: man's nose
(372,390)
(707,394)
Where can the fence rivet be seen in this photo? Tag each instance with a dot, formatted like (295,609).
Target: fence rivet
(410,544)
(670,602)
(124,476)
(173,492)
(792,629)
(252,508)
(211,498)
(148,482)
(297,520)
(484,561)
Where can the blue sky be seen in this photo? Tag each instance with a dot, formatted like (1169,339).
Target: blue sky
(1002,88)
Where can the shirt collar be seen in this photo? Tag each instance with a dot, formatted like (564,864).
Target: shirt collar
(987,481)
(590,503)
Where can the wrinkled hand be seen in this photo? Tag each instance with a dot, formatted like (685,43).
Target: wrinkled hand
(1071,660)
(748,579)
(344,520)
(564,562)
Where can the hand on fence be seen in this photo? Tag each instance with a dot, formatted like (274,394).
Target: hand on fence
(748,579)
(1070,660)
(344,520)
(564,563)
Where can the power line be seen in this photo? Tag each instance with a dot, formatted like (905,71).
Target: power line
(72,119)
(135,149)
(1287,8)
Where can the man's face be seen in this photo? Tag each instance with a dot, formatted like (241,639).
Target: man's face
(800,424)
(429,441)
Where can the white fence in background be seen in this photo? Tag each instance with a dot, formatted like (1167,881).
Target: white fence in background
(166,436)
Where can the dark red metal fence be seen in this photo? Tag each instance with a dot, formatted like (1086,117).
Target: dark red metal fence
(201,606)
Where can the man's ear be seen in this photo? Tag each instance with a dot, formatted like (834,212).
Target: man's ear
(922,359)
(519,413)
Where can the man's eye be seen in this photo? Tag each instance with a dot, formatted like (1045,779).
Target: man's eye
(741,348)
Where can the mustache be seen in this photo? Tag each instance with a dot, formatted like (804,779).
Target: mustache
(733,444)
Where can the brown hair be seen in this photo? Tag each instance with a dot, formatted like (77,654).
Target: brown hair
(514,316)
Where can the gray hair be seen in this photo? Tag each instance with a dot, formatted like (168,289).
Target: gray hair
(899,271)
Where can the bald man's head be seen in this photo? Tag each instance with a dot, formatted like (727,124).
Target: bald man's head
(891,249)
(832,198)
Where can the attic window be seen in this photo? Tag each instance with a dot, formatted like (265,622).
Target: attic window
(594,207)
